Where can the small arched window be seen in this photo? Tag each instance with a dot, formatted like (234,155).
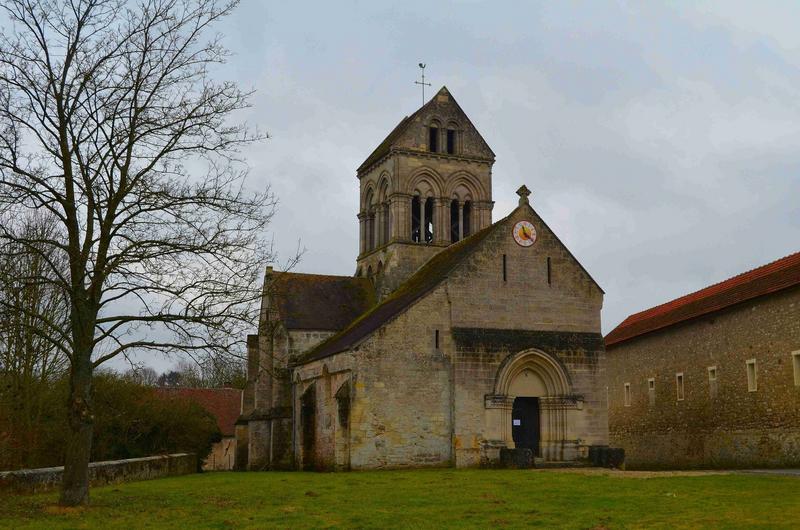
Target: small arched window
(433,139)
(451,141)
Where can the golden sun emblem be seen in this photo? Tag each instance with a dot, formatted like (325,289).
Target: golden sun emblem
(524,233)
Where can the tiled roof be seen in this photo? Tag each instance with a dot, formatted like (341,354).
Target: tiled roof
(317,301)
(425,279)
(222,403)
(769,278)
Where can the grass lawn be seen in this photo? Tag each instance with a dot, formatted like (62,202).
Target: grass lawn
(425,498)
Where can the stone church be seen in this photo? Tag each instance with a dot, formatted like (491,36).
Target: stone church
(456,336)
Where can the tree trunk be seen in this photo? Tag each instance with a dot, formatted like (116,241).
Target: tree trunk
(75,485)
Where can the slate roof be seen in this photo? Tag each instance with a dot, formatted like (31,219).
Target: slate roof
(222,403)
(770,278)
(420,283)
(321,302)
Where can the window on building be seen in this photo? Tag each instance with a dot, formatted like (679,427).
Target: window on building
(433,139)
(416,212)
(796,364)
(467,215)
(343,402)
(679,385)
(451,141)
(454,221)
(752,375)
(505,276)
(712,381)
(429,226)
(627,394)
(436,339)
(549,272)
(651,390)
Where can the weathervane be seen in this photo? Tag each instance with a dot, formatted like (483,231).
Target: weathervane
(423,83)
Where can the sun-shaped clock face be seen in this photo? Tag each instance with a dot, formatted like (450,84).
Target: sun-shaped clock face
(524,234)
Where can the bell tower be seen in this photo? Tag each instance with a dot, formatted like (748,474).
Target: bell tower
(426,186)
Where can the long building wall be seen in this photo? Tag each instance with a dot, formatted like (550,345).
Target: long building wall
(722,420)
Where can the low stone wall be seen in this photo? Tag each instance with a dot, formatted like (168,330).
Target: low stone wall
(101,473)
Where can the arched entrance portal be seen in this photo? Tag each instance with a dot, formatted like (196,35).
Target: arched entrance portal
(532,397)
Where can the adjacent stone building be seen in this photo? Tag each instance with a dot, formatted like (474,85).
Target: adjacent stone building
(711,379)
(456,336)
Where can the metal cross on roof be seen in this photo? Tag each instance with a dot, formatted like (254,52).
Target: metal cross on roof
(423,83)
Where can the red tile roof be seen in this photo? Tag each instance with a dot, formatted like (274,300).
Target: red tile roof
(222,403)
(775,276)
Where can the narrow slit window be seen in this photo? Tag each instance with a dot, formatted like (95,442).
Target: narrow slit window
(796,364)
(433,139)
(451,141)
(679,386)
(549,272)
(712,381)
(752,376)
(627,394)
(651,390)
(436,339)
(505,275)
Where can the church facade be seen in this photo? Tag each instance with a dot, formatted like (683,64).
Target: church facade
(456,337)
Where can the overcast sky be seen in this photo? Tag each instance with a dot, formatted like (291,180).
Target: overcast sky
(662,143)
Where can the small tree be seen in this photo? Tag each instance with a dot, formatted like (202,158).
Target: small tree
(29,364)
(111,122)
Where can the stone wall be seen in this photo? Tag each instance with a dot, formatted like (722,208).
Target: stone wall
(400,397)
(718,424)
(415,404)
(101,473)
(222,456)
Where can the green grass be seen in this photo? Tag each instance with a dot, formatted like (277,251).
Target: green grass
(422,499)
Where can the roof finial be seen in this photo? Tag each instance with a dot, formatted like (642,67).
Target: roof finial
(523,193)
(423,83)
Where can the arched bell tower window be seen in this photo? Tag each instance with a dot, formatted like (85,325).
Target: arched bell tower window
(467,214)
(415,219)
(428,220)
(451,141)
(433,139)
(454,225)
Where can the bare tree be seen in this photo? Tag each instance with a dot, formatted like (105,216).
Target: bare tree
(111,121)
(29,365)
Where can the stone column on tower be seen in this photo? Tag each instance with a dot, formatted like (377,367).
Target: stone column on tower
(362,228)
(440,227)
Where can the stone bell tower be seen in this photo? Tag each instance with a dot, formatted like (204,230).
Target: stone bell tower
(426,186)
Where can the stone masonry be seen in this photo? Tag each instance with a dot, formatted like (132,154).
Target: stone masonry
(722,420)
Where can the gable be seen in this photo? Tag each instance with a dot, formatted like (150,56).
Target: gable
(504,285)
(411,133)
